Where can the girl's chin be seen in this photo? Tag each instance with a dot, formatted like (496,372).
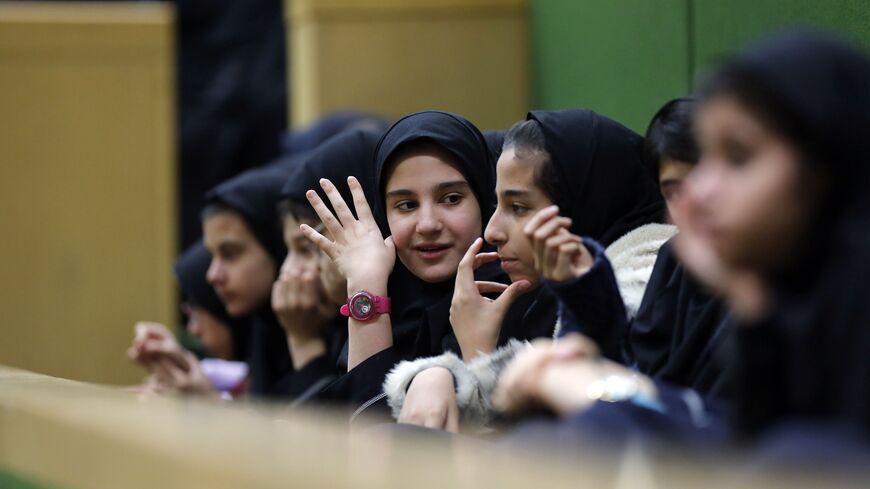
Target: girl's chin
(533,280)
(436,274)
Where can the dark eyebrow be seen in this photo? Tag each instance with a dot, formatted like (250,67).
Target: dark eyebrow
(230,245)
(453,184)
(669,182)
(399,193)
(515,193)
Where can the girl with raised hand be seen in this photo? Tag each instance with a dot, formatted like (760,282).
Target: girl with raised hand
(545,160)
(433,190)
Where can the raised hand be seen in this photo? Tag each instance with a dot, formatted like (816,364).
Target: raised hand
(360,252)
(362,256)
(476,319)
(559,255)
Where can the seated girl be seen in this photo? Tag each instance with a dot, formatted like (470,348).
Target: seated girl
(433,190)
(544,160)
(174,370)
(775,218)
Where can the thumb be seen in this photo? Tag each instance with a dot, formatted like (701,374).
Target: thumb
(513,291)
(388,242)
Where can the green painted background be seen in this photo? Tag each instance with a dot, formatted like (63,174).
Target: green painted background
(624,58)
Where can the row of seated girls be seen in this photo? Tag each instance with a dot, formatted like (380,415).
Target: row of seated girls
(565,279)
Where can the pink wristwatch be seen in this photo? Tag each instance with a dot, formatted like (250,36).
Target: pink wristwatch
(364,306)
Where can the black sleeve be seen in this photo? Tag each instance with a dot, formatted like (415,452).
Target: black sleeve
(592,305)
(364,382)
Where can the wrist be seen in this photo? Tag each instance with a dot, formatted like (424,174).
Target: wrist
(304,349)
(376,285)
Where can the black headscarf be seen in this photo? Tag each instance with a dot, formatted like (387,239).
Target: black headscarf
(421,323)
(329,126)
(808,358)
(679,330)
(350,153)
(255,195)
(602,183)
(190,269)
(494,140)
(451,132)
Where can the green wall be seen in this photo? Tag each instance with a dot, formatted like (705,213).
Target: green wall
(624,58)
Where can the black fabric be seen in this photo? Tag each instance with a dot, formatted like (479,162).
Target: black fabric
(603,185)
(350,153)
(807,358)
(494,140)
(325,128)
(679,330)
(269,356)
(190,269)
(255,195)
(232,90)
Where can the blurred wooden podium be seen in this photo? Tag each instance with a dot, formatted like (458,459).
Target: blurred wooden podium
(87,183)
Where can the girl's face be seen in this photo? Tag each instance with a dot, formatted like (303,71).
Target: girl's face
(519,198)
(748,198)
(241,270)
(433,215)
(303,254)
(214,333)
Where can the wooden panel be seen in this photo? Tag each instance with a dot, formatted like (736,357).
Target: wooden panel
(87,183)
(398,57)
(78,436)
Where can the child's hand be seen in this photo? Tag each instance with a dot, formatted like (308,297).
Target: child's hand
(559,255)
(476,319)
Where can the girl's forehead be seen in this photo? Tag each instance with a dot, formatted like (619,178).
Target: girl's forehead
(424,170)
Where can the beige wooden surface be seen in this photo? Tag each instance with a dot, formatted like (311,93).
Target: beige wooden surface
(87,179)
(398,56)
(82,436)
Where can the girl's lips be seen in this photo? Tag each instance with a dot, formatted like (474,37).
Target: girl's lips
(508,264)
(432,252)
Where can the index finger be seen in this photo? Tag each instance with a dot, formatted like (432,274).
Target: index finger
(326,216)
(465,272)
(539,218)
(363,211)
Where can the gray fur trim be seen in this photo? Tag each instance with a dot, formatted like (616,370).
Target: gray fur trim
(399,379)
(486,370)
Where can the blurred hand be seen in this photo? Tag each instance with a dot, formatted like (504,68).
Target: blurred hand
(476,319)
(182,373)
(431,401)
(520,387)
(150,341)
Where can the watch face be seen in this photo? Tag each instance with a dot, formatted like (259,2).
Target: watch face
(361,306)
